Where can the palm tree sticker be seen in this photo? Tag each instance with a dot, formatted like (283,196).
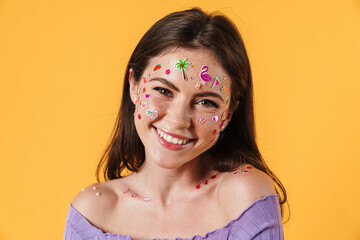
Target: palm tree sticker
(181,65)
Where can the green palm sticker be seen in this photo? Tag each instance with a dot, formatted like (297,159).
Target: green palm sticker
(181,65)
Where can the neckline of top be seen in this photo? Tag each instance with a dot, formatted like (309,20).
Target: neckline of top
(202,237)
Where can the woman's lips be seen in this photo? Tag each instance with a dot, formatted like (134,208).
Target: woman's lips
(170,140)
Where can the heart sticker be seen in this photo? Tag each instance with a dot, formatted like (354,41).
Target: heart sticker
(147,95)
(143,105)
(146,198)
(215,118)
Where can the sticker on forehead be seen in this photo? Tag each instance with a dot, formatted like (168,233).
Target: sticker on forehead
(227,100)
(152,113)
(216,82)
(204,75)
(223,89)
(167,72)
(181,65)
(157,67)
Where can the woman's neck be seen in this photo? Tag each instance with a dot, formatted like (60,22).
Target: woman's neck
(167,186)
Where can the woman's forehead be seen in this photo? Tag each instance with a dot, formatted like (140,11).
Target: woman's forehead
(195,68)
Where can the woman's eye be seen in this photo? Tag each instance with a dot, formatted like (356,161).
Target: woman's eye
(208,103)
(163,91)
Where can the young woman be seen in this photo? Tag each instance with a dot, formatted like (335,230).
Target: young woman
(186,132)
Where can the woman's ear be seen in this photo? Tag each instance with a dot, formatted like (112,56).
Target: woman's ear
(133,87)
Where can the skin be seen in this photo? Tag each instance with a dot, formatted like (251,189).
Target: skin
(170,173)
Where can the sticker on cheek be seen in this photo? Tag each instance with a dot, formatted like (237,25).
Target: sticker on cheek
(221,124)
(167,72)
(147,95)
(145,79)
(215,118)
(139,116)
(224,115)
(223,89)
(144,89)
(201,120)
(214,132)
(157,67)
(143,105)
(152,113)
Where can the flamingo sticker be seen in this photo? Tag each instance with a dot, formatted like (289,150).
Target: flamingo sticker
(204,76)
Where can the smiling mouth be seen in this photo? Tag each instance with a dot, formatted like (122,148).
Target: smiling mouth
(171,139)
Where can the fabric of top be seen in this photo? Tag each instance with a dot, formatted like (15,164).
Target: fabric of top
(260,221)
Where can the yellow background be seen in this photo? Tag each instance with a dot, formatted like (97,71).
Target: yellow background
(61,68)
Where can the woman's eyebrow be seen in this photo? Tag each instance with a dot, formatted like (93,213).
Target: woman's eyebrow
(209,94)
(166,82)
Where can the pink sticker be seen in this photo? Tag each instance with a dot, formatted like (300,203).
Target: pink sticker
(215,118)
(145,79)
(147,95)
(152,113)
(201,120)
(146,198)
(143,105)
(216,82)
(204,75)
(167,72)
(144,89)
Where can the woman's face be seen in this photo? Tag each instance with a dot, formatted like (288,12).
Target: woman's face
(182,103)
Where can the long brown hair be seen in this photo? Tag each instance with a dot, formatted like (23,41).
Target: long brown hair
(192,29)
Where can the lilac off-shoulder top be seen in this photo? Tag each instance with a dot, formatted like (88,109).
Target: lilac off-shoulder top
(260,221)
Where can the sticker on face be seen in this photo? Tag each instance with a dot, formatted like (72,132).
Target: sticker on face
(181,65)
(201,120)
(147,96)
(152,113)
(227,100)
(145,79)
(139,116)
(143,105)
(204,76)
(157,67)
(223,89)
(167,72)
(215,118)
(198,85)
(144,89)
(216,82)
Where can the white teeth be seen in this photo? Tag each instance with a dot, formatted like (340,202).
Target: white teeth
(171,139)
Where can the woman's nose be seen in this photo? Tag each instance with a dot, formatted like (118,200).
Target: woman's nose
(179,116)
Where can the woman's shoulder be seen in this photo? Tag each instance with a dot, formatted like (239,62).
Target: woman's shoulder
(241,188)
(96,200)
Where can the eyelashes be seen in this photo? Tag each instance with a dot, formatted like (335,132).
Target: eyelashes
(203,102)
(163,91)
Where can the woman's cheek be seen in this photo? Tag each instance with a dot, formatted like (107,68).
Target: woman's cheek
(149,106)
(211,122)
